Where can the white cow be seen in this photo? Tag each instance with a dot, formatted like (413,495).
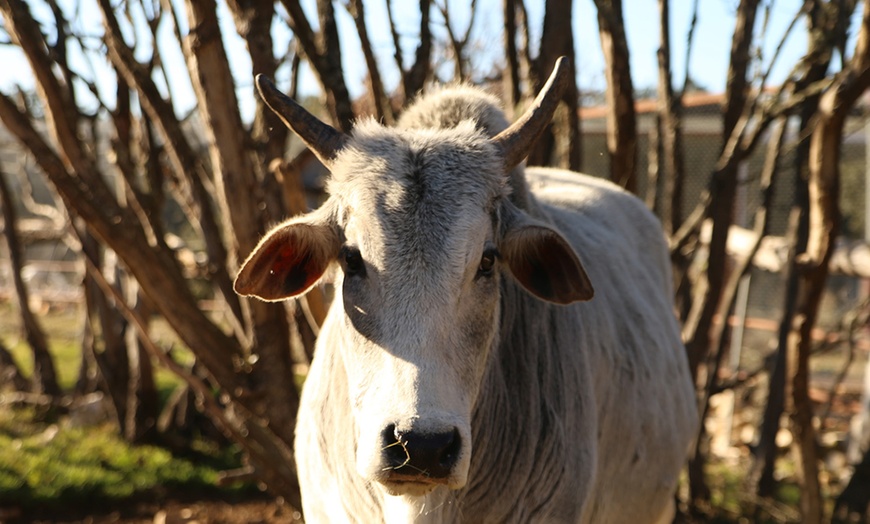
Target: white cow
(465,372)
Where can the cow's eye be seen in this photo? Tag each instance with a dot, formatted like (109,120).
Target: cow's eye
(352,261)
(487,262)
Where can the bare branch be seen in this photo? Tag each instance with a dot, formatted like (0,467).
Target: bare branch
(512,75)
(457,43)
(415,76)
(420,69)
(253,20)
(525,36)
(670,121)
(731,285)
(54,213)
(156,270)
(44,379)
(383,108)
(185,162)
(238,196)
(54,93)
(824,220)
(621,119)
(238,427)
(690,44)
(397,44)
(324,54)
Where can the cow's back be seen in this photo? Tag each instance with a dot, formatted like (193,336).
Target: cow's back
(644,395)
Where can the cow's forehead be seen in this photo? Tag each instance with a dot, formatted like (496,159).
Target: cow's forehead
(419,187)
(460,161)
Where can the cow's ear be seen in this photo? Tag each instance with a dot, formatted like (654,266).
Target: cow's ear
(543,262)
(290,259)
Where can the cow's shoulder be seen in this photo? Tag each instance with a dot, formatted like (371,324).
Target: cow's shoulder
(599,218)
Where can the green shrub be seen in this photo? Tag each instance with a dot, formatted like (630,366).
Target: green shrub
(56,465)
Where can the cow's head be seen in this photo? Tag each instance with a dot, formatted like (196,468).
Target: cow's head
(422,229)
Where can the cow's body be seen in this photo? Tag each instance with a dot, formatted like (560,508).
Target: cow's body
(586,410)
(551,412)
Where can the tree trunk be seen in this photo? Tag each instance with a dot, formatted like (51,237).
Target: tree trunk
(558,40)
(263,428)
(671,126)
(383,106)
(765,452)
(824,221)
(190,170)
(324,54)
(414,78)
(10,374)
(723,188)
(106,344)
(44,378)
(511,76)
(697,330)
(143,403)
(654,169)
(89,372)
(235,186)
(621,120)
(254,24)
(853,503)
(731,285)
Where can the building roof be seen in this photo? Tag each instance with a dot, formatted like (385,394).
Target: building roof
(708,103)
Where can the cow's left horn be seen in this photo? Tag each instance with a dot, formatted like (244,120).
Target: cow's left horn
(322,139)
(516,141)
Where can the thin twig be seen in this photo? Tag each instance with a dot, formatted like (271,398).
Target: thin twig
(857,319)
(383,109)
(690,44)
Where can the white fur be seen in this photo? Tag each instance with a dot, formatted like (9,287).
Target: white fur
(578,413)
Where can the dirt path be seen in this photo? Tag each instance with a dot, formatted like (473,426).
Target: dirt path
(170,512)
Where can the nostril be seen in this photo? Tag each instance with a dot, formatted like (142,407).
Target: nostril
(451,450)
(416,452)
(394,450)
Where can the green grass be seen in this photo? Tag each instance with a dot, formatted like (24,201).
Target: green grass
(61,327)
(63,331)
(732,499)
(54,466)
(44,465)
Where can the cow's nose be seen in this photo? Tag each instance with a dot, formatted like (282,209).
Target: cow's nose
(421,453)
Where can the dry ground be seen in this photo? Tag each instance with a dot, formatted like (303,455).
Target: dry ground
(252,511)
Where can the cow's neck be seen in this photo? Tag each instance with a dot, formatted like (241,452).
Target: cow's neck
(512,423)
(514,419)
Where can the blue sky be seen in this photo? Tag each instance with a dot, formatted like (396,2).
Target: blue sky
(708,65)
(708,62)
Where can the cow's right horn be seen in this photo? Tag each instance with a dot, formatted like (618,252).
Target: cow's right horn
(322,139)
(516,142)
